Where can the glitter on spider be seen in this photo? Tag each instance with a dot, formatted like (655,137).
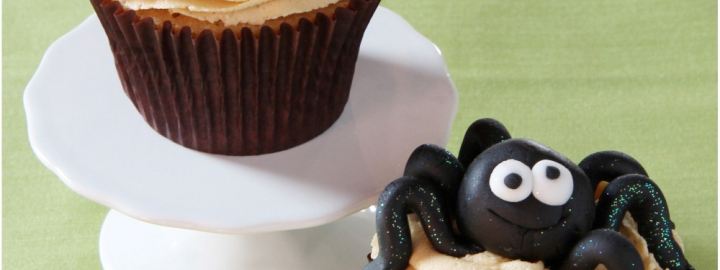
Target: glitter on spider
(463,210)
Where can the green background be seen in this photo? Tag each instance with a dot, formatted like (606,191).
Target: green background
(580,76)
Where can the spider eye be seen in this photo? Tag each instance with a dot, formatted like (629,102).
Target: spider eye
(553,183)
(511,181)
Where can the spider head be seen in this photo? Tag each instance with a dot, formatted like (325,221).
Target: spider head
(523,200)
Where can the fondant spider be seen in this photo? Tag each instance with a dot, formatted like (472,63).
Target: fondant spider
(521,200)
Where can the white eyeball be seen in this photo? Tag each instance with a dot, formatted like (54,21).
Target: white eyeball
(511,181)
(553,184)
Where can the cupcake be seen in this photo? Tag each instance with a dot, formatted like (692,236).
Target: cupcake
(425,257)
(507,203)
(236,77)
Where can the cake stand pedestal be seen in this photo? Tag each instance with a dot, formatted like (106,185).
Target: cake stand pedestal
(126,243)
(183,209)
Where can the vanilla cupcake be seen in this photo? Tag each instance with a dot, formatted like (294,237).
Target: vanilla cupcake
(236,77)
(425,257)
(510,203)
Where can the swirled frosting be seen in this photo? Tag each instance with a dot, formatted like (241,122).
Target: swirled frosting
(425,257)
(231,12)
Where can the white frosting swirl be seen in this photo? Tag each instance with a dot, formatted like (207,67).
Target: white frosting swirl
(231,12)
(424,256)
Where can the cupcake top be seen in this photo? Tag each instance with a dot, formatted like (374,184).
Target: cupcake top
(425,257)
(231,12)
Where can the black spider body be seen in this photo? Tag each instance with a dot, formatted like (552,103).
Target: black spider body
(528,224)
(522,200)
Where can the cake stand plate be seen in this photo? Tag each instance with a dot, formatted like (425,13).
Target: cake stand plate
(129,244)
(83,127)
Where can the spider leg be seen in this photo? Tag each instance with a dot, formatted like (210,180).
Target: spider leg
(480,136)
(608,165)
(605,247)
(646,203)
(436,164)
(424,198)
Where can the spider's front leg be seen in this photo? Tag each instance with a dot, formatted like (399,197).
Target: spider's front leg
(646,203)
(436,164)
(605,247)
(630,189)
(424,198)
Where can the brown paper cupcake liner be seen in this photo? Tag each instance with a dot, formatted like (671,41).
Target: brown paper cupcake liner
(237,93)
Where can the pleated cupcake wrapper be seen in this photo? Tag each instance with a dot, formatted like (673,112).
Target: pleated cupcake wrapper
(237,93)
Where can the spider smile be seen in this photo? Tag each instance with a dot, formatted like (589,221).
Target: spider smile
(561,220)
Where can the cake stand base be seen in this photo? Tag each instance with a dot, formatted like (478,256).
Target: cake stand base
(130,244)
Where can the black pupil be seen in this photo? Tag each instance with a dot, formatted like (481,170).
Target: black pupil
(513,180)
(552,173)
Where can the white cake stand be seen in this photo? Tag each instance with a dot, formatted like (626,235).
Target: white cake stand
(83,128)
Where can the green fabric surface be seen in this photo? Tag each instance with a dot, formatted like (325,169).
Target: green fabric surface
(579,76)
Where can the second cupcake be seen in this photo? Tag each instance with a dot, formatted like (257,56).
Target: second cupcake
(236,77)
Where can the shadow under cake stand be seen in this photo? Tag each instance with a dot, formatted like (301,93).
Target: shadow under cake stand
(175,208)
